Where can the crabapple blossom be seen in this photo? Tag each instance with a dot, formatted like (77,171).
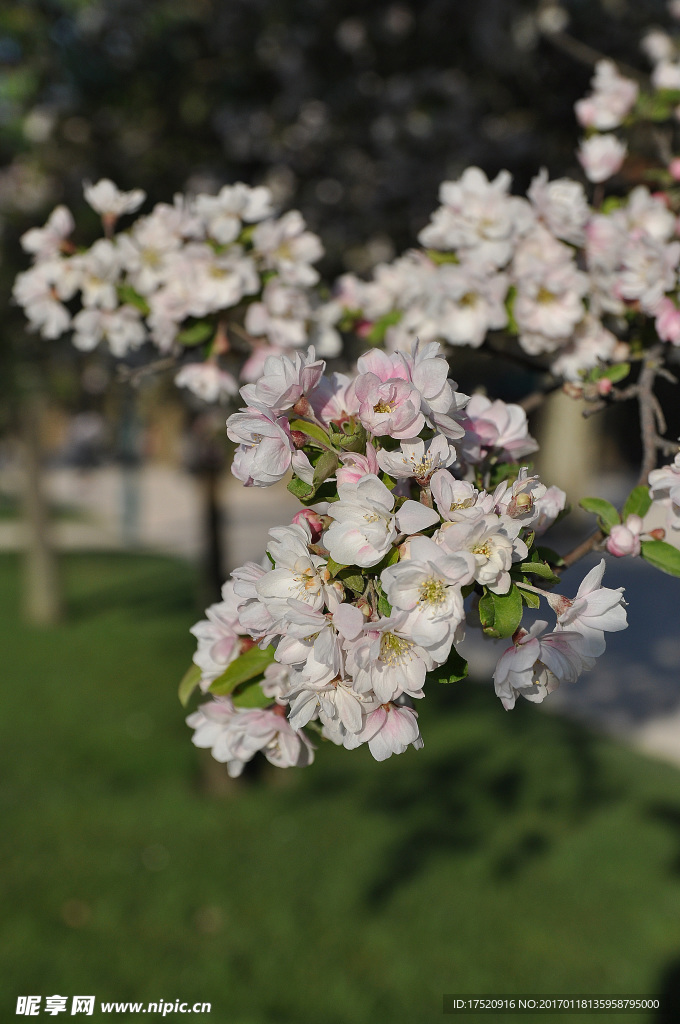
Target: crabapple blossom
(265,450)
(594,611)
(601,156)
(417,459)
(207,381)
(390,729)
(624,538)
(535,664)
(664,488)
(494,542)
(612,98)
(106,199)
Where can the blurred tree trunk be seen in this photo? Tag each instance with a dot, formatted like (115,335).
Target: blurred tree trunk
(213,548)
(41,597)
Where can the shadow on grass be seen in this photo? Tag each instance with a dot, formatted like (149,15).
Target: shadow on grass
(505,785)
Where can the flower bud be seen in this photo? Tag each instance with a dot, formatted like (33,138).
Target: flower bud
(313,519)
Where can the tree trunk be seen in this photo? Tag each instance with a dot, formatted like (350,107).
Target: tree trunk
(41,597)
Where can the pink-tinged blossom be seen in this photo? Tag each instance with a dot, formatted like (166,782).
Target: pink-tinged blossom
(648,268)
(287,247)
(122,328)
(224,213)
(458,500)
(664,488)
(297,572)
(624,538)
(535,665)
(594,611)
(494,543)
(389,407)
(281,315)
(354,465)
(334,400)
(48,241)
(108,201)
(36,291)
(254,616)
(478,218)
(417,459)
(284,381)
(601,156)
(501,426)
(219,642)
(385,661)
(235,735)
(590,345)
(548,507)
(612,99)
(207,381)
(521,499)
(390,730)
(363,527)
(264,450)
(561,205)
(427,586)
(668,321)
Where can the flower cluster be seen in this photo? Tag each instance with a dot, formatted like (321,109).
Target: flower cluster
(418,522)
(171,277)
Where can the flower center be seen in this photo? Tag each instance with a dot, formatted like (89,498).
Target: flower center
(455,505)
(383,406)
(432,591)
(544,296)
(482,549)
(394,649)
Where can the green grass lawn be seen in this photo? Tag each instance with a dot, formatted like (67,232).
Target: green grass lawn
(515,853)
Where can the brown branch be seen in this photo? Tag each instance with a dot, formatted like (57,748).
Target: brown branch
(582,549)
(535,399)
(646,399)
(585,54)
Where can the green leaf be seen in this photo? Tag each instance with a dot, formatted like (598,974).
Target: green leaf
(662,555)
(391,558)
(548,555)
(196,334)
(349,577)
(607,515)
(638,502)
(529,598)
(127,294)
(251,696)
(617,373)
(453,670)
(541,569)
(442,257)
(352,437)
(334,567)
(384,606)
(190,681)
(501,614)
(312,430)
(247,666)
(377,333)
(504,471)
(325,467)
(301,490)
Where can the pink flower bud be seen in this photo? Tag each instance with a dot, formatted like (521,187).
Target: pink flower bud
(674,168)
(657,534)
(604,386)
(313,519)
(623,541)
(298,438)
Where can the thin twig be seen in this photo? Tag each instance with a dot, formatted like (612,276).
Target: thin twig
(586,54)
(133,375)
(581,550)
